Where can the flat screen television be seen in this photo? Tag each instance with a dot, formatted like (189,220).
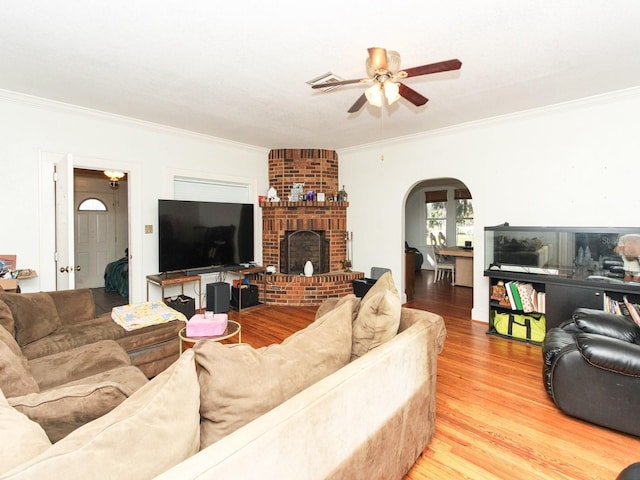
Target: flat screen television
(199,235)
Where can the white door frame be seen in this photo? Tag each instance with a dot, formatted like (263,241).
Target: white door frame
(47,274)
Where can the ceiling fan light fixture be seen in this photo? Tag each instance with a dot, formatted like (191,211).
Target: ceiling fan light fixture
(391,91)
(374,95)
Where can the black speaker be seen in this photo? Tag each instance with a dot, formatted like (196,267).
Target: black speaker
(218,296)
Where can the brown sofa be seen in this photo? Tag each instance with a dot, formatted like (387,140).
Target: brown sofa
(65,390)
(350,396)
(47,323)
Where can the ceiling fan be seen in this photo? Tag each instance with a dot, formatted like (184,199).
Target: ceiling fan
(383,69)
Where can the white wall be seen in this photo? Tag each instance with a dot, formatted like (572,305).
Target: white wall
(573,164)
(28,126)
(569,165)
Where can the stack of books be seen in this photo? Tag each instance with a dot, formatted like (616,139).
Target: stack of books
(518,296)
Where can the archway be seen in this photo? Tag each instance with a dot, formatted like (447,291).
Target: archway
(453,225)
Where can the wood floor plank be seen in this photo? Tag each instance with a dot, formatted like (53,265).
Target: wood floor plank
(494,420)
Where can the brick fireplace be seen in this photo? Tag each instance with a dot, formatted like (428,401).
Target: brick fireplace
(318,228)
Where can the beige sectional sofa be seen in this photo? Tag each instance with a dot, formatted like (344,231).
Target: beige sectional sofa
(47,323)
(353,396)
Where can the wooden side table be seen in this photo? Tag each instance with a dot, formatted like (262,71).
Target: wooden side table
(233,329)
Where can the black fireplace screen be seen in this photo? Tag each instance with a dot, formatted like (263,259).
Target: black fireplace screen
(298,247)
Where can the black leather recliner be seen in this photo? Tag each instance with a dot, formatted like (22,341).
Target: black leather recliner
(591,369)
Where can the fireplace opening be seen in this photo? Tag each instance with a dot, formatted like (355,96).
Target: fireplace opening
(298,247)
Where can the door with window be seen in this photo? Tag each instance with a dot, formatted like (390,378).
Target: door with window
(94,237)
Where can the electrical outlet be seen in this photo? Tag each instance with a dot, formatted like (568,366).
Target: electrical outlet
(148,229)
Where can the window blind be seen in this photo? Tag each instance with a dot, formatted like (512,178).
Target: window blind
(210,190)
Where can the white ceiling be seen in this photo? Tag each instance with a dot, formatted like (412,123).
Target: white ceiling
(237,70)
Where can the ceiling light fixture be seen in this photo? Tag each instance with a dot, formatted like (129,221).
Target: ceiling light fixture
(391,91)
(377,91)
(374,95)
(114,178)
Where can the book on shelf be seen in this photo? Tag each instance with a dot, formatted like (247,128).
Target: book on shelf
(525,291)
(516,295)
(542,302)
(634,310)
(512,302)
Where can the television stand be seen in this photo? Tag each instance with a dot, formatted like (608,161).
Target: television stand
(163,280)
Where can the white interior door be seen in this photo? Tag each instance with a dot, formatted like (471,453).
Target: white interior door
(95,240)
(64,257)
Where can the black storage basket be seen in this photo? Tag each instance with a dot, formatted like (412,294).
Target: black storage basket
(248,294)
(182,303)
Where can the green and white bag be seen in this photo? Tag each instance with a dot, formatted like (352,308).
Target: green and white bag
(528,326)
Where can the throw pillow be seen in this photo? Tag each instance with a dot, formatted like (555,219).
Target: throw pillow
(34,314)
(378,317)
(15,377)
(333,303)
(384,283)
(150,432)
(239,383)
(21,439)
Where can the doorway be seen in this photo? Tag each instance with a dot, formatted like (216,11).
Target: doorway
(453,228)
(101,225)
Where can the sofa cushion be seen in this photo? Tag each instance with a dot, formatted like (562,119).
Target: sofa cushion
(239,383)
(77,363)
(63,409)
(6,317)
(21,439)
(74,306)
(8,339)
(378,317)
(153,430)
(67,337)
(15,377)
(104,328)
(34,315)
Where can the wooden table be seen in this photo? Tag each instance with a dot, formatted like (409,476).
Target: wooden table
(464,264)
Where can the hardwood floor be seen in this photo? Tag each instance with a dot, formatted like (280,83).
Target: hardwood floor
(494,419)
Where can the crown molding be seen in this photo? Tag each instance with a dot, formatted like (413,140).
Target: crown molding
(54,105)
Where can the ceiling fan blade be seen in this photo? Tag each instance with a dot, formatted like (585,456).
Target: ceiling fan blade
(359,103)
(453,64)
(411,95)
(339,82)
(378,58)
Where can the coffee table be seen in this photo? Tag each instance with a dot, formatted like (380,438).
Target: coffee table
(233,329)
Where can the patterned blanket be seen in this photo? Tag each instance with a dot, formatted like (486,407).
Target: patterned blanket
(140,315)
